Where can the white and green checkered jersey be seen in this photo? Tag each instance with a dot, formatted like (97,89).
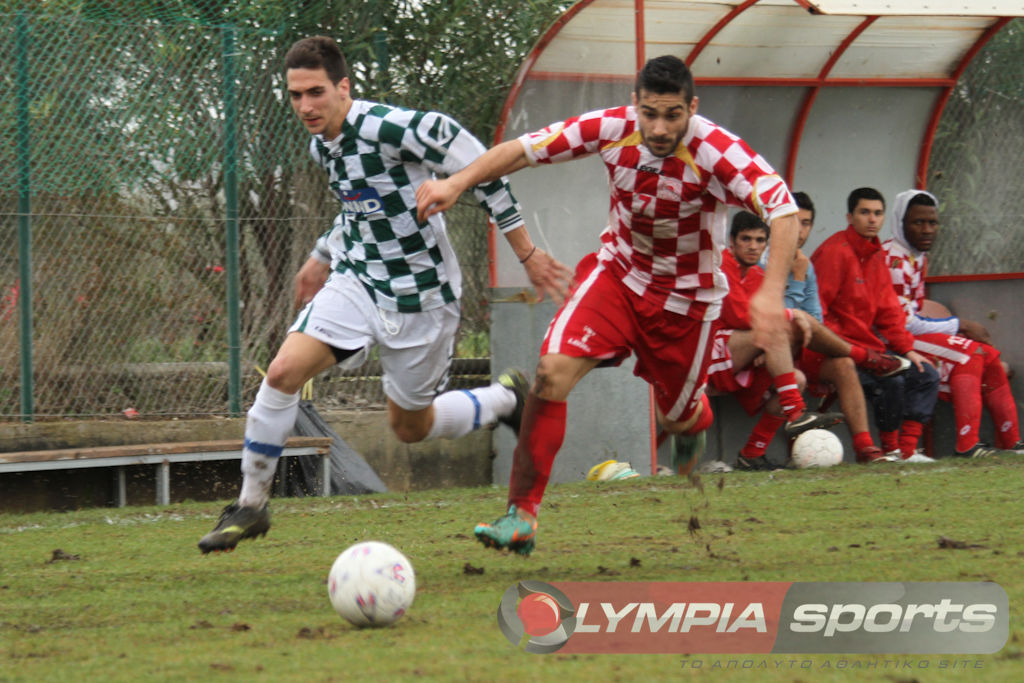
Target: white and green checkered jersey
(374,166)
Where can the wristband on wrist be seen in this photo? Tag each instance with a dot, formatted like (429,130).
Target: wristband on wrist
(527,257)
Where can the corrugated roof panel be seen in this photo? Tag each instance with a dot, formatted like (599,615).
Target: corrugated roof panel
(773,42)
(599,39)
(991,8)
(777,39)
(669,31)
(910,47)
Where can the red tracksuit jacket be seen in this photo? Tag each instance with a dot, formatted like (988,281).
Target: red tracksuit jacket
(857,298)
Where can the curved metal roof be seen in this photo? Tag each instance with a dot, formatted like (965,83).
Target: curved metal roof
(775,43)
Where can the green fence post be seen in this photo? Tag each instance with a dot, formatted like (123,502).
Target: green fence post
(24,220)
(231,226)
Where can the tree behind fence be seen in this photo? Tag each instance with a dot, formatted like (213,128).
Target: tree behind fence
(126,122)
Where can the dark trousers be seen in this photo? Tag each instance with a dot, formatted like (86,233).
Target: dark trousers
(911,395)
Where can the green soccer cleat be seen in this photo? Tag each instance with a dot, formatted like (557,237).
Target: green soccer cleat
(516,382)
(236,523)
(515,530)
(687,450)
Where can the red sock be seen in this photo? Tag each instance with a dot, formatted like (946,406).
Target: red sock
(965,386)
(762,435)
(789,395)
(890,440)
(999,400)
(858,354)
(910,434)
(705,419)
(540,437)
(861,441)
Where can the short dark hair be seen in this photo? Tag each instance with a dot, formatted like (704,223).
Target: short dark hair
(919,199)
(743,221)
(803,201)
(666,75)
(318,52)
(869,193)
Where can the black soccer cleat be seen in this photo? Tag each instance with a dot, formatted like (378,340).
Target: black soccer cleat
(809,421)
(761,464)
(235,524)
(983,450)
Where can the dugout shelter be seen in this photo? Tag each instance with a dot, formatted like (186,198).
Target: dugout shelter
(835,94)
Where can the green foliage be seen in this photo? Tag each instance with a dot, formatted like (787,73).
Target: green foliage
(128,137)
(136,601)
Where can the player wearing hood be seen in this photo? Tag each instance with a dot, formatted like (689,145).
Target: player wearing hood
(970,372)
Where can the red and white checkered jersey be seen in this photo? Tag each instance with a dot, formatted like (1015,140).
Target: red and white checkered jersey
(668,221)
(908,272)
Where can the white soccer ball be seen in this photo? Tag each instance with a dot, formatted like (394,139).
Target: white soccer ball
(817,448)
(371,584)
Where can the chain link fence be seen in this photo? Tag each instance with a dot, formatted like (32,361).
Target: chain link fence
(123,206)
(977,162)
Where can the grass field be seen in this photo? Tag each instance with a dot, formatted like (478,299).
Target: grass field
(128,597)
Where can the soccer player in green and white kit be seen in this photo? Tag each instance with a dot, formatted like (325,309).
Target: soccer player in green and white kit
(378,277)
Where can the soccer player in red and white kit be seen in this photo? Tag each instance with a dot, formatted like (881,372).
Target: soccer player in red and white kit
(655,287)
(970,371)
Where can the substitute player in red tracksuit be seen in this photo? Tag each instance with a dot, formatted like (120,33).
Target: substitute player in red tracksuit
(655,288)
(970,371)
(860,305)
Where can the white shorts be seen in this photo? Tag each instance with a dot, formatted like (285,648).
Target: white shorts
(415,348)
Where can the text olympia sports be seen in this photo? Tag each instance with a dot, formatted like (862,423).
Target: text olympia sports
(775,617)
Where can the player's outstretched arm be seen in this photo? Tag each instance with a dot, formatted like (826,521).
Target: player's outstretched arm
(434,196)
(767,310)
(548,276)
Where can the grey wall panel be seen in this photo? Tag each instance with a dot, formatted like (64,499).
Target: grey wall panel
(608,414)
(859,137)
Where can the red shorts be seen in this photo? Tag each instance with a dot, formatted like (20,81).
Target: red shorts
(750,385)
(603,319)
(948,351)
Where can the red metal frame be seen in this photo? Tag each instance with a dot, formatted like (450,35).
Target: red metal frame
(716,29)
(639,33)
(766,82)
(940,103)
(976,277)
(513,95)
(796,136)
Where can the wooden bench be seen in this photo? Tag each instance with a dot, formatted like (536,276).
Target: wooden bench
(159,454)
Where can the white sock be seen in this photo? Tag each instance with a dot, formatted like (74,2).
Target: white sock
(267,426)
(457,413)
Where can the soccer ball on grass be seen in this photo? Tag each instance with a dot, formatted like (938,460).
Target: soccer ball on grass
(817,448)
(371,584)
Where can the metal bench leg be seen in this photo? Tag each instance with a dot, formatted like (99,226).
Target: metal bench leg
(122,489)
(282,475)
(163,483)
(326,474)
